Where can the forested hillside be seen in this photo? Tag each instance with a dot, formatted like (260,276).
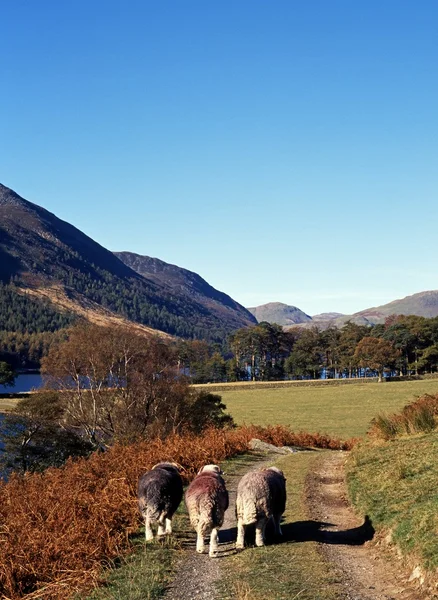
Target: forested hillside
(28,327)
(39,250)
(22,313)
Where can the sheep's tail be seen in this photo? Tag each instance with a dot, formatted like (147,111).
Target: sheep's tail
(246,511)
(150,511)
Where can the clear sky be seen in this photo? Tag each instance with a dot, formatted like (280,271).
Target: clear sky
(285,150)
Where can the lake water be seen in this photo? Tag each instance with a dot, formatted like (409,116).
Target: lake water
(25,382)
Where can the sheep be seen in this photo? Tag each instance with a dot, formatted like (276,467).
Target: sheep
(160,492)
(207,500)
(261,495)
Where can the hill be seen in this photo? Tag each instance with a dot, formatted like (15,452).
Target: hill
(187,284)
(282,314)
(327,316)
(422,304)
(49,257)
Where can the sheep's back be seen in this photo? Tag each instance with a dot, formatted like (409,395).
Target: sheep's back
(207,499)
(159,491)
(260,494)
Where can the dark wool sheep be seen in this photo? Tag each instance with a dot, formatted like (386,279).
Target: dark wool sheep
(261,495)
(207,500)
(160,492)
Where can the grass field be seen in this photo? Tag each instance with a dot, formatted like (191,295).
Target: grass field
(340,411)
(8,402)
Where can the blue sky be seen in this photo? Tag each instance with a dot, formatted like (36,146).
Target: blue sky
(285,151)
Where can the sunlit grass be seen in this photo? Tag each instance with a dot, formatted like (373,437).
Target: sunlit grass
(8,402)
(340,411)
(395,484)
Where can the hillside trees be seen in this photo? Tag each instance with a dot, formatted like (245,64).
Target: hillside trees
(376,354)
(307,356)
(201,361)
(22,313)
(259,351)
(7,374)
(25,350)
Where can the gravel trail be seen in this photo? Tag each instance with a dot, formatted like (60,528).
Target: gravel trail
(367,571)
(197,574)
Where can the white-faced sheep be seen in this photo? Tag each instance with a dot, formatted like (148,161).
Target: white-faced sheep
(207,500)
(261,495)
(160,492)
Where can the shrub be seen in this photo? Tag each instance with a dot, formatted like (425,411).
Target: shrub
(416,417)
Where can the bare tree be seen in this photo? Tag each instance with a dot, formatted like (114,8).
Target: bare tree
(116,385)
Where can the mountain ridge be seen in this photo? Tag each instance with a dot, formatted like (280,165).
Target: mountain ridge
(279,313)
(423,304)
(39,251)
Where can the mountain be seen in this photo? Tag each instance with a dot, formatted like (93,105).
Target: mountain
(49,257)
(423,304)
(327,316)
(187,284)
(282,314)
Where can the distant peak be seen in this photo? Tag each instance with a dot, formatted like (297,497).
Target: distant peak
(8,196)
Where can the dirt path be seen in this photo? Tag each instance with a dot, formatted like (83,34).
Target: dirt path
(366,572)
(363,569)
(197,574)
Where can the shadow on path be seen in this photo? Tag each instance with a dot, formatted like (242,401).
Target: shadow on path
(316,531)
(306,531)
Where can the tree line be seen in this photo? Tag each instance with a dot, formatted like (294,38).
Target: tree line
(21,313)
(109,384)
(403,345)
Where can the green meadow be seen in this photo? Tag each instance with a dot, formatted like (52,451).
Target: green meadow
(342,411)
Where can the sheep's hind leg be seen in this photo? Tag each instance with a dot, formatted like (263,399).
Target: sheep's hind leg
(240,542)
(199,542)
(161,530)
(168,527)
(260,532)
(213,542)
(149,534)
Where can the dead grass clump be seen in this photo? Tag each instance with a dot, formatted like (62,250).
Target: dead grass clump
(419,416)
(279,435)
(59,528)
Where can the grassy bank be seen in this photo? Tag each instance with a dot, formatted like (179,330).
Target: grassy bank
(9,401)
(341,411)
(395,484)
